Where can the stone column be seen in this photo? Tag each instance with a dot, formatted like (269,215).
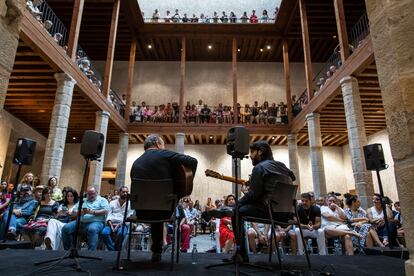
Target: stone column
(55,145)
(179,142)
(392,32)
(357,139)
(10,18)
(95,168)
(122,160)
(294,158)
(315,148)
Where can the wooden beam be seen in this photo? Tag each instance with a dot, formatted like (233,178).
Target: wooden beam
(75,28)
(111,49)
(182,77)
(234,77)
(192,139)
(131,67)
(341,26)
(287,12)
(223,138)
(287,81)
(306,49)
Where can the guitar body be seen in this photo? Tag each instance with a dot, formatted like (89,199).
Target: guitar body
(183,181)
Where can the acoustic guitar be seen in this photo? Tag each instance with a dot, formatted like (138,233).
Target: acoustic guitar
(183,181)
(217,175)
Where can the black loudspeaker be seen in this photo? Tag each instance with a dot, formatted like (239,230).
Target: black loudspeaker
(374,157)
(92,144)
(25,149)
(238,142)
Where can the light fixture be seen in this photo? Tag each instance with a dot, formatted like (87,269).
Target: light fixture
(149,46)
(238,50)
(261,49)
(41,111)
(334,36)
(273,137)
(268,47)
(211,137)
(74,138)
(210,47)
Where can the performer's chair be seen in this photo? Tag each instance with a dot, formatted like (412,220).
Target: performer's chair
(154,195)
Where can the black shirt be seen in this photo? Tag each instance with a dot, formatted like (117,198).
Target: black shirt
(308,215)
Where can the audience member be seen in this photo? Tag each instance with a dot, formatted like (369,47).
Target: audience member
(226,231)
(56,191)
(253,17)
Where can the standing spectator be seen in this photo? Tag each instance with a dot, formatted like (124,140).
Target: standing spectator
(176,17)
(134,115)
(245,114)
(275,13)
(205,114)
(233,17)
(167,17)
(115,218)
(156,16)
(93,212)
(224,18)
(254,119)
(253,17)
(194,19)
(215,17)
(264,17)
(244,18)
(185,19)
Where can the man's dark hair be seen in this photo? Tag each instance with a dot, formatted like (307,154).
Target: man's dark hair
(306,195)
(123,187)
(151,141)
(264,147)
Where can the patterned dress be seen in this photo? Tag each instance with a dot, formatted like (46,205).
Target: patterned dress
(363,230)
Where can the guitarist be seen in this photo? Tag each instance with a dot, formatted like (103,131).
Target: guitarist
(260,189)
(157,163)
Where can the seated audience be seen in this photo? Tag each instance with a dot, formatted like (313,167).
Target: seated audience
(359,220)
(334,224)
(253,17)
(56,191)
(93,212)
(310,222)
(115,218)
(53,237)
(226,231)
(191,215)
(258,236)
(376,217)
(35,229)
(26,182)
(22,211)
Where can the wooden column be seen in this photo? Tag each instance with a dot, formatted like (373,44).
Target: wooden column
(131,67)
(75,28)
(306,49)
(287,80)
(234,75)
(182,76)
(111,49)
(341,26)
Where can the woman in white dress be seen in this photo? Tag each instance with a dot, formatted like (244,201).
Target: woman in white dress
(53,238)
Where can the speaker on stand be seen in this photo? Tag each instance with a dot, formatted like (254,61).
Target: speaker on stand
(23,155)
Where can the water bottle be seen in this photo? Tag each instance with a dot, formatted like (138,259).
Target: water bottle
(337,249)
(309,246)
(194,257)
(281,250)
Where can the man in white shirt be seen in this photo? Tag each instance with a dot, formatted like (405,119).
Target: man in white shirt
(191,214)
(115,218)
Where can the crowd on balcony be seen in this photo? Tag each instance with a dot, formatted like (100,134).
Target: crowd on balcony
(215,18)
(202,113)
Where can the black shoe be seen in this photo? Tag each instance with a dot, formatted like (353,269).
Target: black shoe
(241,257)
(221,213)
(183,250)
(156,257)
(11,235)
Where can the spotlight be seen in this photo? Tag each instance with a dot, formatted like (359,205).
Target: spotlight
(210,47)
(261,49)
(211,137)
(268,47)
(149,46)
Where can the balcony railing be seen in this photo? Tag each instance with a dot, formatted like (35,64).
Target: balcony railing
(86,66)
(45,15)
(358,33)
(208,20)
(117,102)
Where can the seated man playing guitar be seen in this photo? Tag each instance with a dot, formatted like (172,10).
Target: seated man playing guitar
(157,163)
(261,186)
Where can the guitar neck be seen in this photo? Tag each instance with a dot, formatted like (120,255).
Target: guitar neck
(232,179)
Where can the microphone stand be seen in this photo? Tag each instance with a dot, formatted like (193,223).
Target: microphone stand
(72,253)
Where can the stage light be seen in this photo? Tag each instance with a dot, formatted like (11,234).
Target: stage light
(74,138)
(268,47)
(211,137)
(334,36)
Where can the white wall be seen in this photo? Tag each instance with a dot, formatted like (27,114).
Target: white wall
(159,82)
(387,176)
(213,157)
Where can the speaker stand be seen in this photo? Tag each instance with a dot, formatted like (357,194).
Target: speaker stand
(12,199)
(73,252)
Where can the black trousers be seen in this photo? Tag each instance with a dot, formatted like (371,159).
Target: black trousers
(258,210)
(157,229)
